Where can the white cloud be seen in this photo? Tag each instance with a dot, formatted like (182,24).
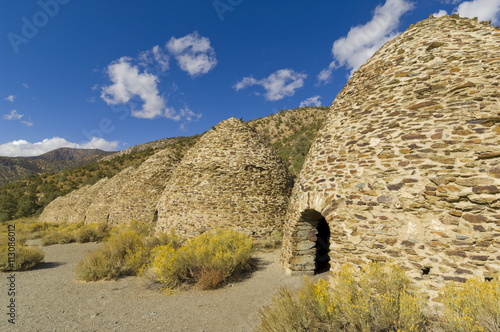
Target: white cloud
(363,41)
(440,13)
(278,85)
(193,53)
(187,114)
(128,83)
(313,101)
(27,123)
(99,143)
(25,85)
(10,98)
(23,148)
(136,82)
(155,56)
(13,115)
(484,10)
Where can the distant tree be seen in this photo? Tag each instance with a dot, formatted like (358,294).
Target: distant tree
(27,205)
(8,206)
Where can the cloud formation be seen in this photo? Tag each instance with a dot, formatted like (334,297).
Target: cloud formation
(13,115)
(156,57)
(193,53)
(363,41)
(128,83)
(135,82)
(312,101)
(278,85)
(484,10)
(440,13)
(10,98)
(23,148)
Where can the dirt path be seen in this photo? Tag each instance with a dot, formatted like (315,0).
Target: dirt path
(49,299)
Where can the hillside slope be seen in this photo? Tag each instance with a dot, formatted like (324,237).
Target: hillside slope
(290,132)
(12,168)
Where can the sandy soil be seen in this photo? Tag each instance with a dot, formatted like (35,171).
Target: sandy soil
(50,299)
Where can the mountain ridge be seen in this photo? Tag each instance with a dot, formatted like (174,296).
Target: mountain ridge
(13,168)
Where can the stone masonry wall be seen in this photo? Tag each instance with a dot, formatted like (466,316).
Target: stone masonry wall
(407,168)
(72,207)
(230,179)
(102,202)
(139,196)
(130,195)
(62,207)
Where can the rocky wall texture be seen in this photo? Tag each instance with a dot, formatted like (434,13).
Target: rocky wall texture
(130,195)
(407,168)
(102,202)
(72,207)
(62,207)
(230,179)
(139,196)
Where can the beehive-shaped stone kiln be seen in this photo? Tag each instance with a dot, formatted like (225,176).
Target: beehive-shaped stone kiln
(130,195)
(231,178)
(139,196)
(407,168)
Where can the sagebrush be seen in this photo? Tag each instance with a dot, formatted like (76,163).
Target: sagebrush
(471,307)
(26,257)
(376,299)
(206,261)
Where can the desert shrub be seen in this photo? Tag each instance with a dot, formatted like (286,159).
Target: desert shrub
(473,306)
(76,232)
(92,233)
(170,237)
(272,242)
(25,229)
(139,227)
(207,260)
(377,298)
(114,259)
(58,237)
(311,309)
(26,257)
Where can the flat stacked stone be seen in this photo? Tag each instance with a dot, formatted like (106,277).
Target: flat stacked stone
(139,196)
(231,178)
(407,168)
(60,209)
(72,207)
(104,199)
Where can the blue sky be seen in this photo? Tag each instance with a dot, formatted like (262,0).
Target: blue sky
(112,74)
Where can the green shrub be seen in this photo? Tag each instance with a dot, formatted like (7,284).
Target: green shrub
(26,257)
(93,233)
(378,298)
(471,307)
(114,259)
(207,260)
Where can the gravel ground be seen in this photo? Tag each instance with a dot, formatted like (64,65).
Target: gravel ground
(50,299)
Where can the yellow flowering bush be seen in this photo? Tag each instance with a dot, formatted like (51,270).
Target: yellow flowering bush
(377,298)
(206,260)
(473,306)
